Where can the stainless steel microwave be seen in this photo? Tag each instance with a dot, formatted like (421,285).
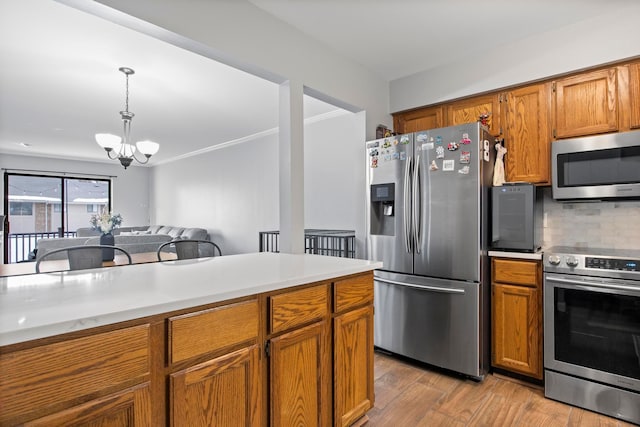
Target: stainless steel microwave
(596,167)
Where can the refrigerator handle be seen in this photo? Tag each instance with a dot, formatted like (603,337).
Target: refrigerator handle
(416,205)
(407,206)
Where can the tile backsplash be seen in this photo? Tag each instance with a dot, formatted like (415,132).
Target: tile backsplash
(610,224)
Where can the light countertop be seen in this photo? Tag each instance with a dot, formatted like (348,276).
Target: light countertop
(520,255)
(40,305)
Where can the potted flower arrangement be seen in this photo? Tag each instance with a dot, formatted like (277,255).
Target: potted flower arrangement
(106,222)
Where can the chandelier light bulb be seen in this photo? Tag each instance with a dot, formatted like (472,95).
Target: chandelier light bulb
(108,141)
(148,148)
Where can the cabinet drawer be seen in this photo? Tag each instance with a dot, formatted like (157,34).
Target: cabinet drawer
(202,332)
(515,272)
(295,308)
(353,292)
(46,378)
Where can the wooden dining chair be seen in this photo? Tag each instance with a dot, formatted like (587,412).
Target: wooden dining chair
(82,257)
(190,248)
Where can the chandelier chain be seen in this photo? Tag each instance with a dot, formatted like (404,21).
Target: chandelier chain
(126,104)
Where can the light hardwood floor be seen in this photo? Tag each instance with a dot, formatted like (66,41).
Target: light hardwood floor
(409,394)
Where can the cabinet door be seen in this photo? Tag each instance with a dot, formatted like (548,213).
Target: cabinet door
(299,381)
(526,134)
(128,408)
(224,391)
(353,393)
(516,329)
(470,110)
(634,89)
(417,120)
(586,104)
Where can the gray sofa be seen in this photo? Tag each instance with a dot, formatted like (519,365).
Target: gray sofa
(132,239)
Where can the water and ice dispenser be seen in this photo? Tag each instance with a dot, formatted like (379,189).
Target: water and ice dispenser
(382,209)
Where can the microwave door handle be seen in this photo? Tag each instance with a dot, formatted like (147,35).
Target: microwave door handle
(416,204)
(407,205)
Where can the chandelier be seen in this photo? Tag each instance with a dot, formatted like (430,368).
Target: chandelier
(122,148)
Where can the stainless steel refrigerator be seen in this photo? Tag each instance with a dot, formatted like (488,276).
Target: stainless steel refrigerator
(427,222)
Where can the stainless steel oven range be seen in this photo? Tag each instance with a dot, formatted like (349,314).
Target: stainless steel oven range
(592,329)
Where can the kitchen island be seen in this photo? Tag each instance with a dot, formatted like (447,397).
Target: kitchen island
(251,339)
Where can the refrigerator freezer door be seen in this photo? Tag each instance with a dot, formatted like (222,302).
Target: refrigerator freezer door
(431,320)
(448,201)
(389,162)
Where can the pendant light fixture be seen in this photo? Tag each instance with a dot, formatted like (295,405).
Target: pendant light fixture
(122,148)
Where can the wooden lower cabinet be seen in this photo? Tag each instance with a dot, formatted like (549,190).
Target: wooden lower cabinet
(224,391)
(260,360)
(516,300)
(299,381)
(353,393)
(128,408)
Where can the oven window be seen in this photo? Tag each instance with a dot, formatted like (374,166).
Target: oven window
(598,330)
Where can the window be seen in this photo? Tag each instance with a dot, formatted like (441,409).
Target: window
(20,208)
(46,206)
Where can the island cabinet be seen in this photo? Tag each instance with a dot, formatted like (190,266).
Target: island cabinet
(353,392)
(215,358)
(300,355)
(100,379)
(299,352)
(526,134)
(586,104)
(516,316)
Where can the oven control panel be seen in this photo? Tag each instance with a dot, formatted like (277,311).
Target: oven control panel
(587,261)
(612,264)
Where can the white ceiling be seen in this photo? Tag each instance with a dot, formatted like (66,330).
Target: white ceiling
(60,84)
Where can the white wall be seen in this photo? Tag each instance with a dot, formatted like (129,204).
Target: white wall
(334,180)
(233,191)
(592,42)
(130,187)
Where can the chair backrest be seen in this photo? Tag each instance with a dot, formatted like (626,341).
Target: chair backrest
(190,248)
(82,257)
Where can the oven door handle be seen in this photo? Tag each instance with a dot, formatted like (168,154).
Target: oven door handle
(585,284)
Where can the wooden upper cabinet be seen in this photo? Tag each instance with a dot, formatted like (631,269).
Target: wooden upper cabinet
(526,134)
(586,104)
(634,95)
(417,120)
(470,110)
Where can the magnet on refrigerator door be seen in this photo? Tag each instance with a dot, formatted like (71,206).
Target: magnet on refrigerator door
(433,166)
(464,170)
(465,156)
(440,152)
(452,146)
(448,165)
